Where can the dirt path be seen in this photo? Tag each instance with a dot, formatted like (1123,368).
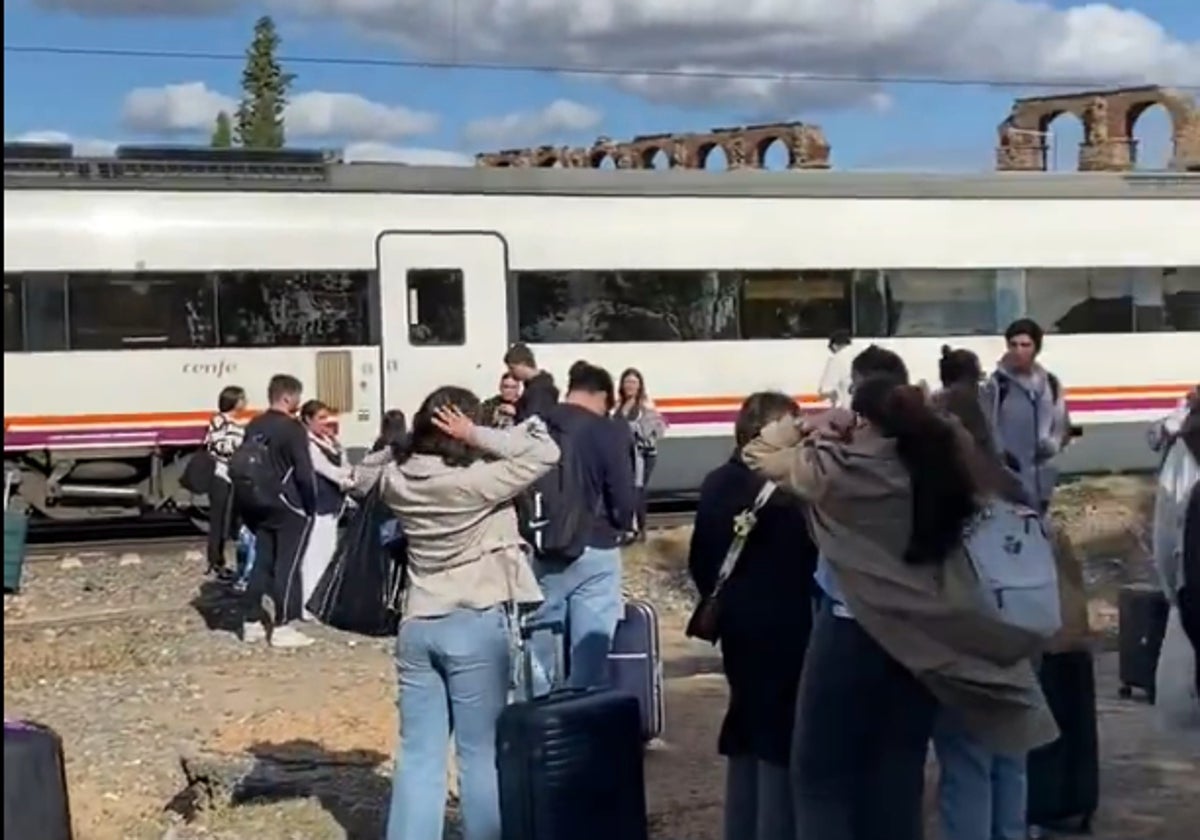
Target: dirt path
(130,697)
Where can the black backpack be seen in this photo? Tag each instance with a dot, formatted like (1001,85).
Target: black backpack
(256,486)
(553,515)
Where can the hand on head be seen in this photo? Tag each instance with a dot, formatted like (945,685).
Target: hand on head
(451,421)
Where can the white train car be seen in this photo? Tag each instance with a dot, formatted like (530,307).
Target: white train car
(135,290)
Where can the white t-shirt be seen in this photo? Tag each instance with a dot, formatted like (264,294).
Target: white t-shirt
(835,381)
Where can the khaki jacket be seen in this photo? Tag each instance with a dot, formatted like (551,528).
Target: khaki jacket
(925,617)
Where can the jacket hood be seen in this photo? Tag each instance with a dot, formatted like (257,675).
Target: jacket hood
(564,417)
(425,467)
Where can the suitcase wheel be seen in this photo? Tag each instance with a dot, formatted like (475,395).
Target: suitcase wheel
(1085,824)
(1125,692)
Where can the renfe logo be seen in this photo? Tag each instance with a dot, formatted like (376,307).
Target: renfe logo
(217,369)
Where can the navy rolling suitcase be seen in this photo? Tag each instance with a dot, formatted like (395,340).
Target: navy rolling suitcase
(35,783)
(635,664)
(570,763)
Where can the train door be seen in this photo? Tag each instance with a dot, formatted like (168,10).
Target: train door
(443,301)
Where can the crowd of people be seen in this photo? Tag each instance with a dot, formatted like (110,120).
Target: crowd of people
(851,635)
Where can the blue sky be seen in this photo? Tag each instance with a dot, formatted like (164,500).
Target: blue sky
(444,116)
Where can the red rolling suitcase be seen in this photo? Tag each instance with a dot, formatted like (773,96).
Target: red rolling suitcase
(35,783)
(570,763)
(635,664)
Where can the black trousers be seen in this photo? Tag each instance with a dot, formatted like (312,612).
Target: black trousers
(280,541)
(1189,617)
(643,495)
(863,724)
(222,521)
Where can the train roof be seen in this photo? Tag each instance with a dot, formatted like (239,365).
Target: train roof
(51,167)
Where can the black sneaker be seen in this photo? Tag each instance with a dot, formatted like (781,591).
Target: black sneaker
(221,573)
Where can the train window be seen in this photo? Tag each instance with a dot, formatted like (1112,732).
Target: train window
(795,304)
(139,311)
(1081,300)
(14,332)
(436,307)
(45,312)
(1171,301)
(926,302)
(294,308)
(626,306)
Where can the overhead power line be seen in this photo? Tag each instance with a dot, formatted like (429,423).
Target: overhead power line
(580,70)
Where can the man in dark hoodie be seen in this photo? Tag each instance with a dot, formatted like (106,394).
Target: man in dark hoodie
(538,393)
(585,592)
(281,532)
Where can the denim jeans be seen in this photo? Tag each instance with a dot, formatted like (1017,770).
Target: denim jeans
(585,595)
(758,800)
(454,676)
(863,724)
(982,794)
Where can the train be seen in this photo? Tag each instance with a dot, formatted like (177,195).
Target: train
(136,287)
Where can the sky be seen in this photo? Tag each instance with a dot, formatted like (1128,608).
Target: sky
(656,54)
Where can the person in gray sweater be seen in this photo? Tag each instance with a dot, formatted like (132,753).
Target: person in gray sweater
(468,575)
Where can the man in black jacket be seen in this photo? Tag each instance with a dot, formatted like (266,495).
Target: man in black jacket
(585,593)
(538,393)
(281,532)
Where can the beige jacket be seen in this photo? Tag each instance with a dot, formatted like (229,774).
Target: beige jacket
(926,617)
(464,549)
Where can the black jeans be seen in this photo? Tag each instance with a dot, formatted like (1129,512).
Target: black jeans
(643,493)
(222,521)
(863,724)
(1189,617)
(280,541)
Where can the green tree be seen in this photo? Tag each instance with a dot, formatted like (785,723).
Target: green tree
(259,117)
(222,136)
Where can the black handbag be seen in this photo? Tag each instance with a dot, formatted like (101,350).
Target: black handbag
(705,621)
(199,473)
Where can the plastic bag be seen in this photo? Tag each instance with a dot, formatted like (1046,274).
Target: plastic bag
(1176,701)
(359,591)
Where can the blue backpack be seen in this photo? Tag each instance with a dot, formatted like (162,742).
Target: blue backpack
(1013,559)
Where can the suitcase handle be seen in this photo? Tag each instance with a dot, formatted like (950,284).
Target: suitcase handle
(529,628)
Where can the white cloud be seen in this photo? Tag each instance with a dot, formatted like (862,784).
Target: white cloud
(84,146)
(1089,43)
(413,156)
(192,107)
(321,114)
(174,109)
(561,116)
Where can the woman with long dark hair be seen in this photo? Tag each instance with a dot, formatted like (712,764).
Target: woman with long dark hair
(890,492)
(467,575)
(648,426)
(764,625)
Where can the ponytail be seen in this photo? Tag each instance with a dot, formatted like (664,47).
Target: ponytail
(943,488)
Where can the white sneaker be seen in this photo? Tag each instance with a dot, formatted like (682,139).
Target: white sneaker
(288,636)
(253,631)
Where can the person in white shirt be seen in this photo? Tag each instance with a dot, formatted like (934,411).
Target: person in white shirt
(835,381)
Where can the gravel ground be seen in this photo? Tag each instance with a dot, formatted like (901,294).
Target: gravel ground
(131,695)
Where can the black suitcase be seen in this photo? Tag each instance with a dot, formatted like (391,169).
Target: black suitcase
(1064,776)
(1142,614)
(635,664)
(35,783)
(570,763)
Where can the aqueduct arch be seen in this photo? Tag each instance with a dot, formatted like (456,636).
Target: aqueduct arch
(744,148)
(1108,118)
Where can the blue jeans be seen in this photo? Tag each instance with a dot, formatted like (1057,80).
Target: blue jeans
(982,794)
(454,676)
(586,596)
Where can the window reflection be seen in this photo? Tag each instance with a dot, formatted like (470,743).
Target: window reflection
(1073,300)
(139,311)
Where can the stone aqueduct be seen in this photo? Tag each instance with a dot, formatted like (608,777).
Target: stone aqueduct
(744,148)
(1108,117)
